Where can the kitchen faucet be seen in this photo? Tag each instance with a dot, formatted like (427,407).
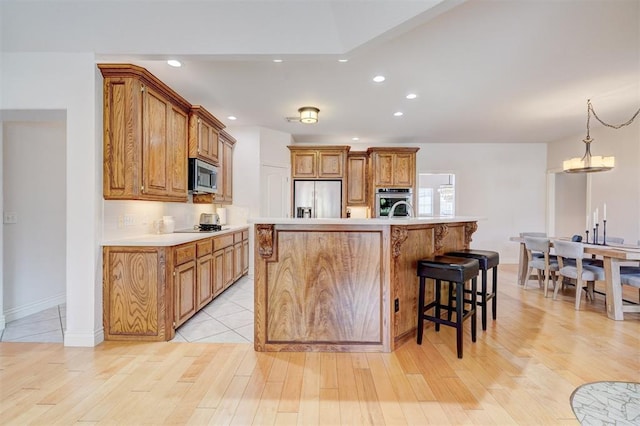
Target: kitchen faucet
(409,209)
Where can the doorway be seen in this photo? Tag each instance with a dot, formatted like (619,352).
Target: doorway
(568,201)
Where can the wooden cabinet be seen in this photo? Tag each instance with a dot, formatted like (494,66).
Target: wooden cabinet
(226,144)
(205,270)
(357,163)
(204,130)
(135,294)
(318,162)
(393,167)
(150,291)
(185,286)
(145,136)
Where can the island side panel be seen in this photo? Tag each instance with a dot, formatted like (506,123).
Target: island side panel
(421,241)
(324,288)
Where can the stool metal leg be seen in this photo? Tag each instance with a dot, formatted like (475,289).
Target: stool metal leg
(474,288)
(421,310)
(438,302)
(459,316)
(494,301)
(483,298)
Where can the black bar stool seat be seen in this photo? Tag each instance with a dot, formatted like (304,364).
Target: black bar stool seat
(488,260)
(456,271)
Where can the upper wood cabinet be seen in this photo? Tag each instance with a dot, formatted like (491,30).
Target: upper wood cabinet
(204,129)
(357,178)
(318,162)
(145,136)
(393,167)
(226,144)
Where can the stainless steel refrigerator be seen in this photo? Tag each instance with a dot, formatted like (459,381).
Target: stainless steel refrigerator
(323,197)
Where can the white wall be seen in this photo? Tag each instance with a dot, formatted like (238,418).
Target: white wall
(34,247)
(618,188)
(41,81)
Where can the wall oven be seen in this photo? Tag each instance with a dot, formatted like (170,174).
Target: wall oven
(203,177)
(387,197)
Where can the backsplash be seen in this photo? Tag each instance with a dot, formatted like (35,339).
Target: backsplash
(125,218)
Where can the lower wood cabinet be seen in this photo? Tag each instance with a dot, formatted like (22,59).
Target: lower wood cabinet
(150,291)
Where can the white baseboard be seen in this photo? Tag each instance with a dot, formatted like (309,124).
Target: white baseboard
(18,312)
(86,340)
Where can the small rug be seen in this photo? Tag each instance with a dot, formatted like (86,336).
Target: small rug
(607,403)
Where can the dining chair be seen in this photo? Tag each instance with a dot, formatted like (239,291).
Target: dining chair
(580,272)
(544,264)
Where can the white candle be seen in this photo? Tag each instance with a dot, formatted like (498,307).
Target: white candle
(587,228)
(596,215)
(604,213)
(594,219)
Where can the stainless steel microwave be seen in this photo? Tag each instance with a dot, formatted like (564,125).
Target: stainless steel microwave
(203,177)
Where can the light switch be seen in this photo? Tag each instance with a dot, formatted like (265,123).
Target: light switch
(10,217)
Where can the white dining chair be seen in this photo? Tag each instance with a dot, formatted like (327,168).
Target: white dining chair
(546,266)
(578,271)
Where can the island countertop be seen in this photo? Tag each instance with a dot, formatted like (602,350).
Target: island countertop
(344,285)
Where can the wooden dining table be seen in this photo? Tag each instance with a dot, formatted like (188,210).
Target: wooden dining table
(613,256)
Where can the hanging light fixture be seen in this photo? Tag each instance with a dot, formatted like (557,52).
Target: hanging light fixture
(590,163)
(308,114)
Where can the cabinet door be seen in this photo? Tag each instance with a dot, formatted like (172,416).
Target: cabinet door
(205,280)
(228,266)
(185,291)
(330,164)
(218,272)
(228,172)
(207,142)
(237,261)
(404,169)
(245,257)
(383,166)
(357,180)
(155,158)
(177,152)
(303,164)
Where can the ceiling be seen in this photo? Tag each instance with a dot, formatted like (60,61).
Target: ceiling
(485,71)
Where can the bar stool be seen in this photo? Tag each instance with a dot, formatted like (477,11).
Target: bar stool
(488,260)
(454,270)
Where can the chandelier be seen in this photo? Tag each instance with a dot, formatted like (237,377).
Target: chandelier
(590,163)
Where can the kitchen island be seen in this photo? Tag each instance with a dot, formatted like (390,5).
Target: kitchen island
(344,285)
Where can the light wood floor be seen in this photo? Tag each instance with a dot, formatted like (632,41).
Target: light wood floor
(522,370)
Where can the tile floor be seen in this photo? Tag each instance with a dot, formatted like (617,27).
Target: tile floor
(227,319)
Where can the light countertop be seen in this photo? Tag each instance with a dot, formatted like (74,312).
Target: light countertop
(371,221)
(173,239)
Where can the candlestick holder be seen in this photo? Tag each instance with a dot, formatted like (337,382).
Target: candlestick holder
(587,233)
(595,234)
(604,232)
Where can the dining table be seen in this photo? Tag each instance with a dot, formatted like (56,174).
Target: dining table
(613,256)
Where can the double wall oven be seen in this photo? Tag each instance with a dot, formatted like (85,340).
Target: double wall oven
(387,197)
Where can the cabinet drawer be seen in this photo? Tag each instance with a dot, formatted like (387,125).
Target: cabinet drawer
(245,235)
(203,247)
(185,253)
(237,237)
(222,242)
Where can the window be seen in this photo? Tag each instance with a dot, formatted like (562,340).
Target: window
(436,194)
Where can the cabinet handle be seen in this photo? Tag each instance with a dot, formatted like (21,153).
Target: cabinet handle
(142,188)
(142,88)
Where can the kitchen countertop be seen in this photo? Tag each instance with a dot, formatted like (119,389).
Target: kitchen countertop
(371,221)
(173,239)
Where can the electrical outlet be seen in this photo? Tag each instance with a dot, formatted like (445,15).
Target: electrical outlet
(10,217)
(396,305)
(129,220)
(120,222)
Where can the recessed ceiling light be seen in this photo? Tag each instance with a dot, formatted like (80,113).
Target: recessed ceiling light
(355,139)
(379,78)
(232,117)
(174,63)
(277,61)
(343,60)
(412,96)
(398,114)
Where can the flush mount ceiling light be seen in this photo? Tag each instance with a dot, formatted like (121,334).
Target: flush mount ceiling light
(589,163)
(308,115)
(379,78)
(174,63)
